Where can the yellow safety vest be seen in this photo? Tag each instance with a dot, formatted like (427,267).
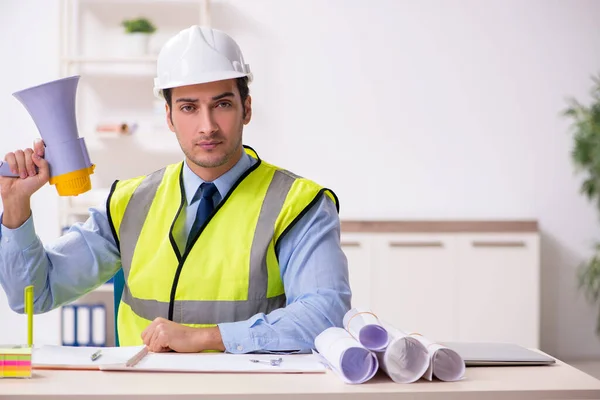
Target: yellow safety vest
(230,273)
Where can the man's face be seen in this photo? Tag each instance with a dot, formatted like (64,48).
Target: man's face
(208,120)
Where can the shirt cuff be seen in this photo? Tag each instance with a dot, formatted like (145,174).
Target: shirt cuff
(19,238)
(238,338)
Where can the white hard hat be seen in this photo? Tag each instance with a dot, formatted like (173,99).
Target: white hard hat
(199,55)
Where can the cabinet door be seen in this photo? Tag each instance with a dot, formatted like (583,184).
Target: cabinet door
(498,291)
(357,248)
(414,284)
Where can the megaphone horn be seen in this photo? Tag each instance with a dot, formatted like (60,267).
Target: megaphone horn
(52,108)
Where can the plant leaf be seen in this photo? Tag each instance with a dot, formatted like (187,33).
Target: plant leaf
(585,155)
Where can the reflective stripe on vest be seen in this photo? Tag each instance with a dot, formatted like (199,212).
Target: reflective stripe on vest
(207,312)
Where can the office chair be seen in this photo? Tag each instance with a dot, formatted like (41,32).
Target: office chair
(119,284)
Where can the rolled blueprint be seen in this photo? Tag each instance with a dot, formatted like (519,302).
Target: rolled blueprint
(365,327)
(346,356)
(445,364)
(405,359)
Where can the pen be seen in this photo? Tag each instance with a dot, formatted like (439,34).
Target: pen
(274,362)
(96,355)
(29,311)
(132,362)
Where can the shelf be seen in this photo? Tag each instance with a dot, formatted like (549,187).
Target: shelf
(111,135)
(80,205)
(117,85)
(107,287)
(174,14)
(104,66)
(111,60)
(138,2)
(79,211)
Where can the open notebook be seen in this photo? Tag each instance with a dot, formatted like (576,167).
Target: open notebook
(116,358)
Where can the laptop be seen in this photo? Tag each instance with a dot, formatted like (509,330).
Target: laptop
(489,354)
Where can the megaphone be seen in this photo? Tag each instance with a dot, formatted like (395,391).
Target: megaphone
(52,107)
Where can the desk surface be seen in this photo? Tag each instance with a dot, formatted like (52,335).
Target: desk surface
(560,381)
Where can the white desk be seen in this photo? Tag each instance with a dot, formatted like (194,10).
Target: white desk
(560,381)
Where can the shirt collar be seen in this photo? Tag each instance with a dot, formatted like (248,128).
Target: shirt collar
(224,183)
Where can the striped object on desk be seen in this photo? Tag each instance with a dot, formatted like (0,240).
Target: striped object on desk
(15,362)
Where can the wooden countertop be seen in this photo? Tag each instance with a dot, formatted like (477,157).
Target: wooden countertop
(441,226)
(560,381)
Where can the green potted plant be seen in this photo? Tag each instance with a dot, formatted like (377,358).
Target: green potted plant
(138,31)
(585,155)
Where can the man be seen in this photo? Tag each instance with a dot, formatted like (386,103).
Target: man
(222,251)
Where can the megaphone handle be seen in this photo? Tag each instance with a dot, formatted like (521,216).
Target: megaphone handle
(5,170)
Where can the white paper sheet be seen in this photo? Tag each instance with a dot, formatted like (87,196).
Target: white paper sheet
(365,327)
(219,362)
(114,358)
(405,359)
(66,357)
(445,364)
(352,362)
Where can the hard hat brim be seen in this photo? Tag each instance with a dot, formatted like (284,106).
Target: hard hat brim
(206,78)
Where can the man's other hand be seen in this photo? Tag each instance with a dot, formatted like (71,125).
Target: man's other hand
(164,335)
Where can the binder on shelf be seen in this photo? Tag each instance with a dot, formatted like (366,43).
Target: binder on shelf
(83,325)
(68,326)
(98,326)
(84,322)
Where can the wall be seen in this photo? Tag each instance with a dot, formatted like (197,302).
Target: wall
(412,110)
(29,54)
(435,109)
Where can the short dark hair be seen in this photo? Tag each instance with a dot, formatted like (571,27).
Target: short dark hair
(242,85)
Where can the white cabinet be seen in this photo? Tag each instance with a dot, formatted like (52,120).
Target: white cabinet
(358,251)
(450,286)
(498,288)
(414,281)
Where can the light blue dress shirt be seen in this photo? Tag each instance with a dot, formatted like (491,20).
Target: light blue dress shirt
(313,269)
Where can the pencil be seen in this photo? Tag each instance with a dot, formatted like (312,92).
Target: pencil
(29,311)
(132,362)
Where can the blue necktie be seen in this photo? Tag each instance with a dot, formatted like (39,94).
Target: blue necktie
(205,208)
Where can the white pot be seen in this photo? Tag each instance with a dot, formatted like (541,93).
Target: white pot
(135,44)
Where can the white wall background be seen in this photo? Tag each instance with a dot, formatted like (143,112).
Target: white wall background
(29,54)
(407,109)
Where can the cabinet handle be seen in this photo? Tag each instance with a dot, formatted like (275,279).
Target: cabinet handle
(518,243)
(416,244)
(350,244)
